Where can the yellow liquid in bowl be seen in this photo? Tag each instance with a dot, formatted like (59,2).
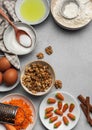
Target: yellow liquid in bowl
(32,10)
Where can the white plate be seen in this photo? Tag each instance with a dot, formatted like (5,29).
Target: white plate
(4,88)
(67,99)
(10,40)
(19,96)
(84,16)
(17,11)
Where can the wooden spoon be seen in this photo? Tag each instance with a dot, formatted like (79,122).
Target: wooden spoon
(18,32)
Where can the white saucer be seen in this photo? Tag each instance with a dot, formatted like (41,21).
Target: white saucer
(4,88)
(67,99)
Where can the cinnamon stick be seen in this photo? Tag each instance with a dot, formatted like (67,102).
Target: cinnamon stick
(84,109)
(88,108)
(91,122)
(83,100)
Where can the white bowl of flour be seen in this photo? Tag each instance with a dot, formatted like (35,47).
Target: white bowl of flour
(80,17)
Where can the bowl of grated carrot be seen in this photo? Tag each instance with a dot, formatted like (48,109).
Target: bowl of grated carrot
(27,106)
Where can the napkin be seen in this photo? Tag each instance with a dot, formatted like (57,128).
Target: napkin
(8,7)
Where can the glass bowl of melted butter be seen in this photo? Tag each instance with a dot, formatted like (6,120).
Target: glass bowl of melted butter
(32,12)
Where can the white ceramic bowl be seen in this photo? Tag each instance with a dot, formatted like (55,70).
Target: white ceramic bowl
(27,100)
(17,11)
(10,39)
(83,18)
(50,70)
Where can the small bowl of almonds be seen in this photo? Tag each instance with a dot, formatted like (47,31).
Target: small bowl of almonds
(37,78)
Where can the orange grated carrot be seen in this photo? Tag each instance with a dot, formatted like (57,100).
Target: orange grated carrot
(27,110)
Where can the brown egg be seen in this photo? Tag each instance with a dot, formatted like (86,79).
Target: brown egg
(4,64)
(1,78)
(10,76)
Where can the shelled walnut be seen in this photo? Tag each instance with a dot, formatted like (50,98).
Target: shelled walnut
(58,84)
(40,55)
(37,78)
(49,50)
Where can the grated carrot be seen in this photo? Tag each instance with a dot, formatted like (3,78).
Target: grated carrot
(27,110)
(20,116)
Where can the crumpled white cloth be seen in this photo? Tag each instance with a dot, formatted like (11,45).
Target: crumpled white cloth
(8,8)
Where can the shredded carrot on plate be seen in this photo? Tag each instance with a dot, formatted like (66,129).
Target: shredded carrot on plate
(27,110)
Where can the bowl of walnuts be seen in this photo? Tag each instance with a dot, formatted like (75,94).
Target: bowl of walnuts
(37,78)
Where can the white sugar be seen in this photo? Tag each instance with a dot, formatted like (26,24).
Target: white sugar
(25,40)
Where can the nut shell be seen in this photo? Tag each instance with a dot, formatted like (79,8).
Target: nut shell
(10,77)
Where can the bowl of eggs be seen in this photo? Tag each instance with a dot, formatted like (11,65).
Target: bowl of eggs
(9,76)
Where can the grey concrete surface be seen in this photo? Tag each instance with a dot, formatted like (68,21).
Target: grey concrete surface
(71,60)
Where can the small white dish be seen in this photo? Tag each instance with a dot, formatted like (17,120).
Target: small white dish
(11,43)
(18,13)
(68,98)
(27,100)
(4,88)
(50,70)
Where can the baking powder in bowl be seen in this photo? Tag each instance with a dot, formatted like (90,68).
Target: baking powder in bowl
(70,10)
